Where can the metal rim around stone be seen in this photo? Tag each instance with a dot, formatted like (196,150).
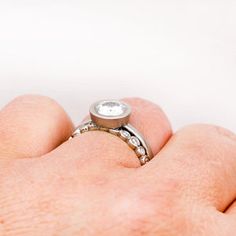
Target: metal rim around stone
(110,121)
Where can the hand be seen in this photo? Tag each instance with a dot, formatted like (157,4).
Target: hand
(94,185)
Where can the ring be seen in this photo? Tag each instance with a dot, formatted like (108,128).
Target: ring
(112,116)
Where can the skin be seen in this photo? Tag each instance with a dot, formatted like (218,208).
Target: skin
(94,185)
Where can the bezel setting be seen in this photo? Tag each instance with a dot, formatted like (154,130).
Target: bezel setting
(112,116)
(110,113)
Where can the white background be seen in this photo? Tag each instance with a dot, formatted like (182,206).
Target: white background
(180,54)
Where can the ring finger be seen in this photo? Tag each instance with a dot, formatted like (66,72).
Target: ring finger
(146,117)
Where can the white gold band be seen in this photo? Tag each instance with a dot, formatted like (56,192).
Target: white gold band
(127,133)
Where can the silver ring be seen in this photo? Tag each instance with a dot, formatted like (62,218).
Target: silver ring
(112,116)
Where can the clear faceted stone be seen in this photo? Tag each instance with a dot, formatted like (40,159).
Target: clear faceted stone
(134,141)
(92,126)
(125,134)
(111,108)
(140,151)
(84,128)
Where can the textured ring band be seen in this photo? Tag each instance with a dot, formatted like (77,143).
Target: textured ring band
(112,116)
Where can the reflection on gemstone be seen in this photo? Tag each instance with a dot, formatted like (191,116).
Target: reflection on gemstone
(144,159)
(134,141)
(111,108)
(125,134)
(140,151)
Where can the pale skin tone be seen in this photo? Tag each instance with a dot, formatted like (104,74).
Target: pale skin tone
(94,185)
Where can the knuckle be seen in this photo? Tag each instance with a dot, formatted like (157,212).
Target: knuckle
(199,131)
(34,106)
(38,107)
(206,137)
(225,133)
(136,100)
(33,98)
(141,102)
(205,144)
(36,103)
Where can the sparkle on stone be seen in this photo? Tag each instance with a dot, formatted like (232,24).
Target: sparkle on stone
(144,159)
(125,134)
(134,141)
(110,108)
(141,151)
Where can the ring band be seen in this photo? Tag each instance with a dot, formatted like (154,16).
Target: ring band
(113,118)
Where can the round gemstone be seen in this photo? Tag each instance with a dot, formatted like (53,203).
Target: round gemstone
(111,108)
(143,159)
(125,134)
(84,128)
(140,151)
(92,126)
(134,141)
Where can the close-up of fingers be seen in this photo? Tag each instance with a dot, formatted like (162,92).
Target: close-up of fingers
(123,146)
(144,141)
(32,125)
(200,162)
